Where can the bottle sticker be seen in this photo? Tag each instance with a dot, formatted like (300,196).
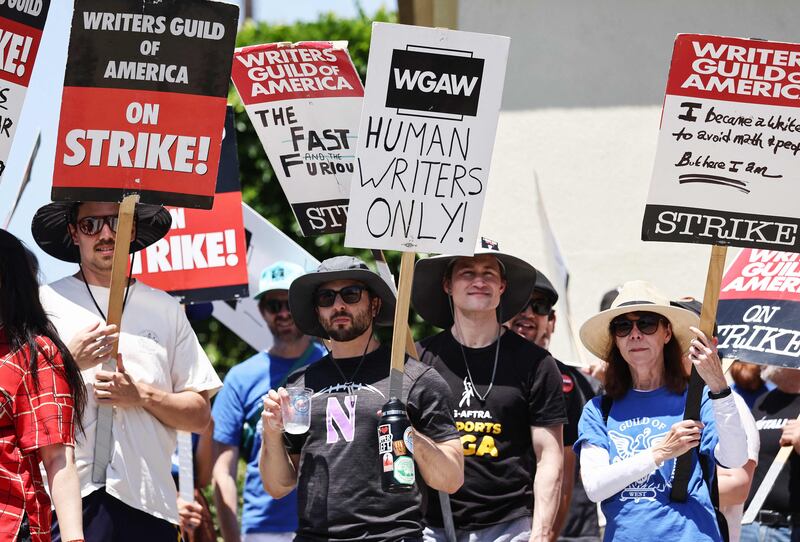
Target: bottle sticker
(408,438)
(400,447)
(384,439)
(388,463)
(404,470)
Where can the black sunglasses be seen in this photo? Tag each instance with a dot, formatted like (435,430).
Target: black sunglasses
(647,324)
(274,306)
(542,307)
(91,225)
(349,294)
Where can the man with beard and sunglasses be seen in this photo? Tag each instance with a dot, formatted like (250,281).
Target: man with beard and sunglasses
(336,465)
(162,382)
(237,413)
(576,519)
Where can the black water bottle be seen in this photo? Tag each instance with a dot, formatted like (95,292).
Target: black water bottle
(395,448)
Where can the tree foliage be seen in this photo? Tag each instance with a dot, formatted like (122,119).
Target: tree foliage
(261,189)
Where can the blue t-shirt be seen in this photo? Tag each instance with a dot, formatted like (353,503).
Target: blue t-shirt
(240,398)
(635,422)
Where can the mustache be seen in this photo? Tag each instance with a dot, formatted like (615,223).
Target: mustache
(342,313)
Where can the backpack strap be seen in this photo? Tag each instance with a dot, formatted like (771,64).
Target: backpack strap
(605,407)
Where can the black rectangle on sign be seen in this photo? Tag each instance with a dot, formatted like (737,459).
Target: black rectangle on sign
(318,217)
(434,82)
(217,293)
(228,172)
(30,12)
(712,227)
(163,45)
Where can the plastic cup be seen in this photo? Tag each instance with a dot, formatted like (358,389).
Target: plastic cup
(297,411)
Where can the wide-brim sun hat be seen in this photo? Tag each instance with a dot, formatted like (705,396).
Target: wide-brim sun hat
(49,229)
(278,276)
(637,296)
(432,303)
(302,289)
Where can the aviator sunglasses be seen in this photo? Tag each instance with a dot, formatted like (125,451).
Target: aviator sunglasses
(647,324)
(349,294)
(91,225)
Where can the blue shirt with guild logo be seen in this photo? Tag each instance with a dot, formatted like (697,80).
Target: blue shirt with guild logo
(240,398)
(635,423)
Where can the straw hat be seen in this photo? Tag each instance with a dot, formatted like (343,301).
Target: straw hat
(637,295)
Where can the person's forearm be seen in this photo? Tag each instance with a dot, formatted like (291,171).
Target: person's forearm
(602,479)
(567,483)
(731,450)
(65,491)
(227,501)
(184,411)
(546,492)
(440,464)
(278,475)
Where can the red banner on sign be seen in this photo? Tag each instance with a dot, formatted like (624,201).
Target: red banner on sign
(763,274)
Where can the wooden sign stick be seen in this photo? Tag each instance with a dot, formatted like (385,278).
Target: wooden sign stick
(386,273)
(400,334)
(708,316)
(119,280)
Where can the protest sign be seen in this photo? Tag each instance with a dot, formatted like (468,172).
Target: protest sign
(425,139)
(203,257)
(144,97)
(304,100)
(759,308)
(728,146)
(21,26)
(266,245)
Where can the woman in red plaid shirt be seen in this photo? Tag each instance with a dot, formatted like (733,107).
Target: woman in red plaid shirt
(41,399)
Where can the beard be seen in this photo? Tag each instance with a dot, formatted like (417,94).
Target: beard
(359,323)
(287,334)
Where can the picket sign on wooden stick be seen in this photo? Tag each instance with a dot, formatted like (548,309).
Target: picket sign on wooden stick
(708,316)
(386,274)
(119,280)
(401,334)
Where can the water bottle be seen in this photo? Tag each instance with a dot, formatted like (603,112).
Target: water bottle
(395,448)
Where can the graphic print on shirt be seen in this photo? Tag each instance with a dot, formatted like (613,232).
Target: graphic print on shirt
(477,427)
(468,394)
(335,416)
(648,487)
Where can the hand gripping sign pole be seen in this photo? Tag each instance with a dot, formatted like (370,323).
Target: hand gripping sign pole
(694,396)
(119,276)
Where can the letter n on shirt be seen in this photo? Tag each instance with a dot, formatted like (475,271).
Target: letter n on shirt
(346,421)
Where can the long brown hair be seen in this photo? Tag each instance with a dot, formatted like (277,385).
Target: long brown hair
(619,381)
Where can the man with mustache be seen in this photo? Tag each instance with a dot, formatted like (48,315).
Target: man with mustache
(162,382)
(336,465)
(237,413)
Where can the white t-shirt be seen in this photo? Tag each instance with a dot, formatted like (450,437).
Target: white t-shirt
(159,348)
(733,513)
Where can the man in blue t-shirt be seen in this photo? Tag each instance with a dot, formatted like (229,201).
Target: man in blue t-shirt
(237,412)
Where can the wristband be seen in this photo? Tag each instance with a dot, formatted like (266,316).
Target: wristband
(722,393)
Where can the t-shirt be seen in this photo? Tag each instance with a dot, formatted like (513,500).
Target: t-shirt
(496,434)
(30,418)
(771,412)
(240,398)
(158,348)
(636,422)
(339,494)
(750,397)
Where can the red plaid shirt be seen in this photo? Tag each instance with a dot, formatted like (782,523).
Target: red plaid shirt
(30,418)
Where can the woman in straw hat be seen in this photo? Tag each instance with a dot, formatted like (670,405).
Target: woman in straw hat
(629,438)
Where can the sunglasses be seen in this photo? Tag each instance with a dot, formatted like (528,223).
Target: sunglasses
(91,225)
(274,306)
(647,324)
(349,294)
(539,306)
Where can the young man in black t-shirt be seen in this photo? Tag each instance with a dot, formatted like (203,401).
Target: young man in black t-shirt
(510,406)
(776,419)
(336,464)
(577,515)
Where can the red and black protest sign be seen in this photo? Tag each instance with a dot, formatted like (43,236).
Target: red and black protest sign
(21,26)
(759,308)
(204,255)
(144,101)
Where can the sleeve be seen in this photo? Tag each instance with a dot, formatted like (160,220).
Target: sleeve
(750,428)
(574,403)
(228,412)
(430,407)
(191,369)
(602,479)
(724,438)
(591,428)
(546,395)
(43,414)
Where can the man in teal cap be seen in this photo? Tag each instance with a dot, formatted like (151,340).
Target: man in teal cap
(237,412)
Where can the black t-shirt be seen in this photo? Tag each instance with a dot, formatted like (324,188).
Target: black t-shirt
(771,412)
(339,494)
(496,434)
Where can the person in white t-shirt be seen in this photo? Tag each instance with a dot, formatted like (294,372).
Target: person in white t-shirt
(162,383)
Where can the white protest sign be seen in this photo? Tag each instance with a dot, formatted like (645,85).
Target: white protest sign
(304,100)
(425,139)
(266,245)
(726,166)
